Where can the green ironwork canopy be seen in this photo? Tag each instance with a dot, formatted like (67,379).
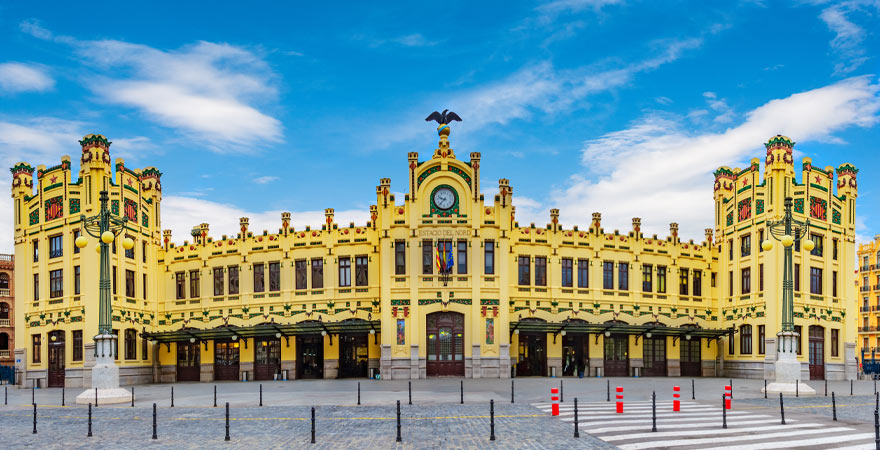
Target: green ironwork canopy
(353,326)
(577,326)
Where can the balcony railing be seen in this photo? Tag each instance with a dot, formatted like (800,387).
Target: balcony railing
(865,288)
(5,293)
(7,258)
(862,329)
(5,322)
(865,268)
(5,354)
(866,308)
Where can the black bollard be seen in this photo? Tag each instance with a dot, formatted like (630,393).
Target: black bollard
(261,395)
(797,388)
(693,391)
(511,391)
(492,419)
(765,388)
(875,385)
(313,424)
(215,395)
(227,421)
(96,397)
(731,388)
(132,396)
(462,392)
(850,386)
(833,408)
(561,395)
(90,421)
(781,409)
(33,397)
(876,401)
(155,436)
(876,428)
(409,388)
(62,396)
(6,395)
(723,412)
(172,396)
(653,412)
(577,431)
(826,388)
(35,418)
(359,392)
(608,390)
(399,438)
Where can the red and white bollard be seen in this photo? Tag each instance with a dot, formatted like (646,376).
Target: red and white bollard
(619,400)
(554,399)
(727,396)
(676,403)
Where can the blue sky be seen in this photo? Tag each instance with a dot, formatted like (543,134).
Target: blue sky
(621,107)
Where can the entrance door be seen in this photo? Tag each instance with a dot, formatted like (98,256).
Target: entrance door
(310,356)
(188,361)
(532,361)
(226,360)
(655,356)
(267,358)
(817,352)
(353,356)
(616,356)
(690,358)
(56,359)
(575,354)
(445,344)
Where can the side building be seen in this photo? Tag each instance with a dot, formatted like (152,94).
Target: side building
(443,282)
(7,324)
(868,285)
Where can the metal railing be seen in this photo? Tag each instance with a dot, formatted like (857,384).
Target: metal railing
(5,322)
(865,308)
(864,288)
(5,354)
(5,292)
(7,258)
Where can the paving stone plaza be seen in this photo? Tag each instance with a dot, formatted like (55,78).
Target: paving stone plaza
(438,419)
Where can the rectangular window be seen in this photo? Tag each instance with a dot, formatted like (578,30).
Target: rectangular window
(797,329)
(731,345)
(129,283)
(834,249)
(194,284)
(36,245)
(540,271)
(461,258)
(259,277)
(130,344)
(56,283)
(361,276)
(797,245)
(130,253)
(219,281)
(76,286)
(745,340)
(834,283)
(760,240)
(233,279)
(760,339)
(301,269)
(56,246)
(36,348)
(745,245)
(712,278)
(144,284)
(114,279)
(144,255)
(698,283)
(583,273)
(730,249)
(623,276)
(647,272)
(607,275)
(815,280)
(746,281)
(835,342)
(525,276)
(180,279)
(77,336)
(489,254)
(661,279)
(76,234)
(567,272)
(427,257)
(344,272)
(817,244)
(116,335)
(730,283)
(760,278)
(797,277)
(400,257)
(275,276)
(683,281)
(317,273)
(145,349)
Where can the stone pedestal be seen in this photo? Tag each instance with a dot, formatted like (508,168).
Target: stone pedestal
(105,375)
(788,369)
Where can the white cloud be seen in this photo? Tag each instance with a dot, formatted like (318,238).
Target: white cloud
(660,171)
(35,29)
(19,77)
(265,179)
(180,214)
(577,5)
(848,36)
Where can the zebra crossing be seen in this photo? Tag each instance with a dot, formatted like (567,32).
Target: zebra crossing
(698,426)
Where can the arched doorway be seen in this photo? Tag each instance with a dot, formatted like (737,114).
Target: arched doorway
(56,359)
(445,333)
(691,365)
(353,353)
(310,354)
(817,352)
(188,361)
(4,281)
(531,358)
(575,352)
(616,352)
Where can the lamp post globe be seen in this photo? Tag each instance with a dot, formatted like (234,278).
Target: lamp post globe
(81,242)
(107,237)
(809,245)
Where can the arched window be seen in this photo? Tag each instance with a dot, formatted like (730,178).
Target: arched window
(4,311)
(4,341)
(745,340)
(4,281)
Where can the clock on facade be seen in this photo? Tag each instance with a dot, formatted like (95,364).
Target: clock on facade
(444,198)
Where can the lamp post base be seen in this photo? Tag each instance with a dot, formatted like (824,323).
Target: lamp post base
(105,375)
(788,368)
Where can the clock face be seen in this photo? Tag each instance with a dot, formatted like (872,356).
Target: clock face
(444,198)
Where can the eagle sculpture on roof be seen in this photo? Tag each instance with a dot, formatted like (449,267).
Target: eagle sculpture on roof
(443,118)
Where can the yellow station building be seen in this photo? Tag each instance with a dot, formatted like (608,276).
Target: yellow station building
(442,282)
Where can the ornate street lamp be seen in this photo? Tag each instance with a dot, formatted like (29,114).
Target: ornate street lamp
(788,369)
(105,373)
